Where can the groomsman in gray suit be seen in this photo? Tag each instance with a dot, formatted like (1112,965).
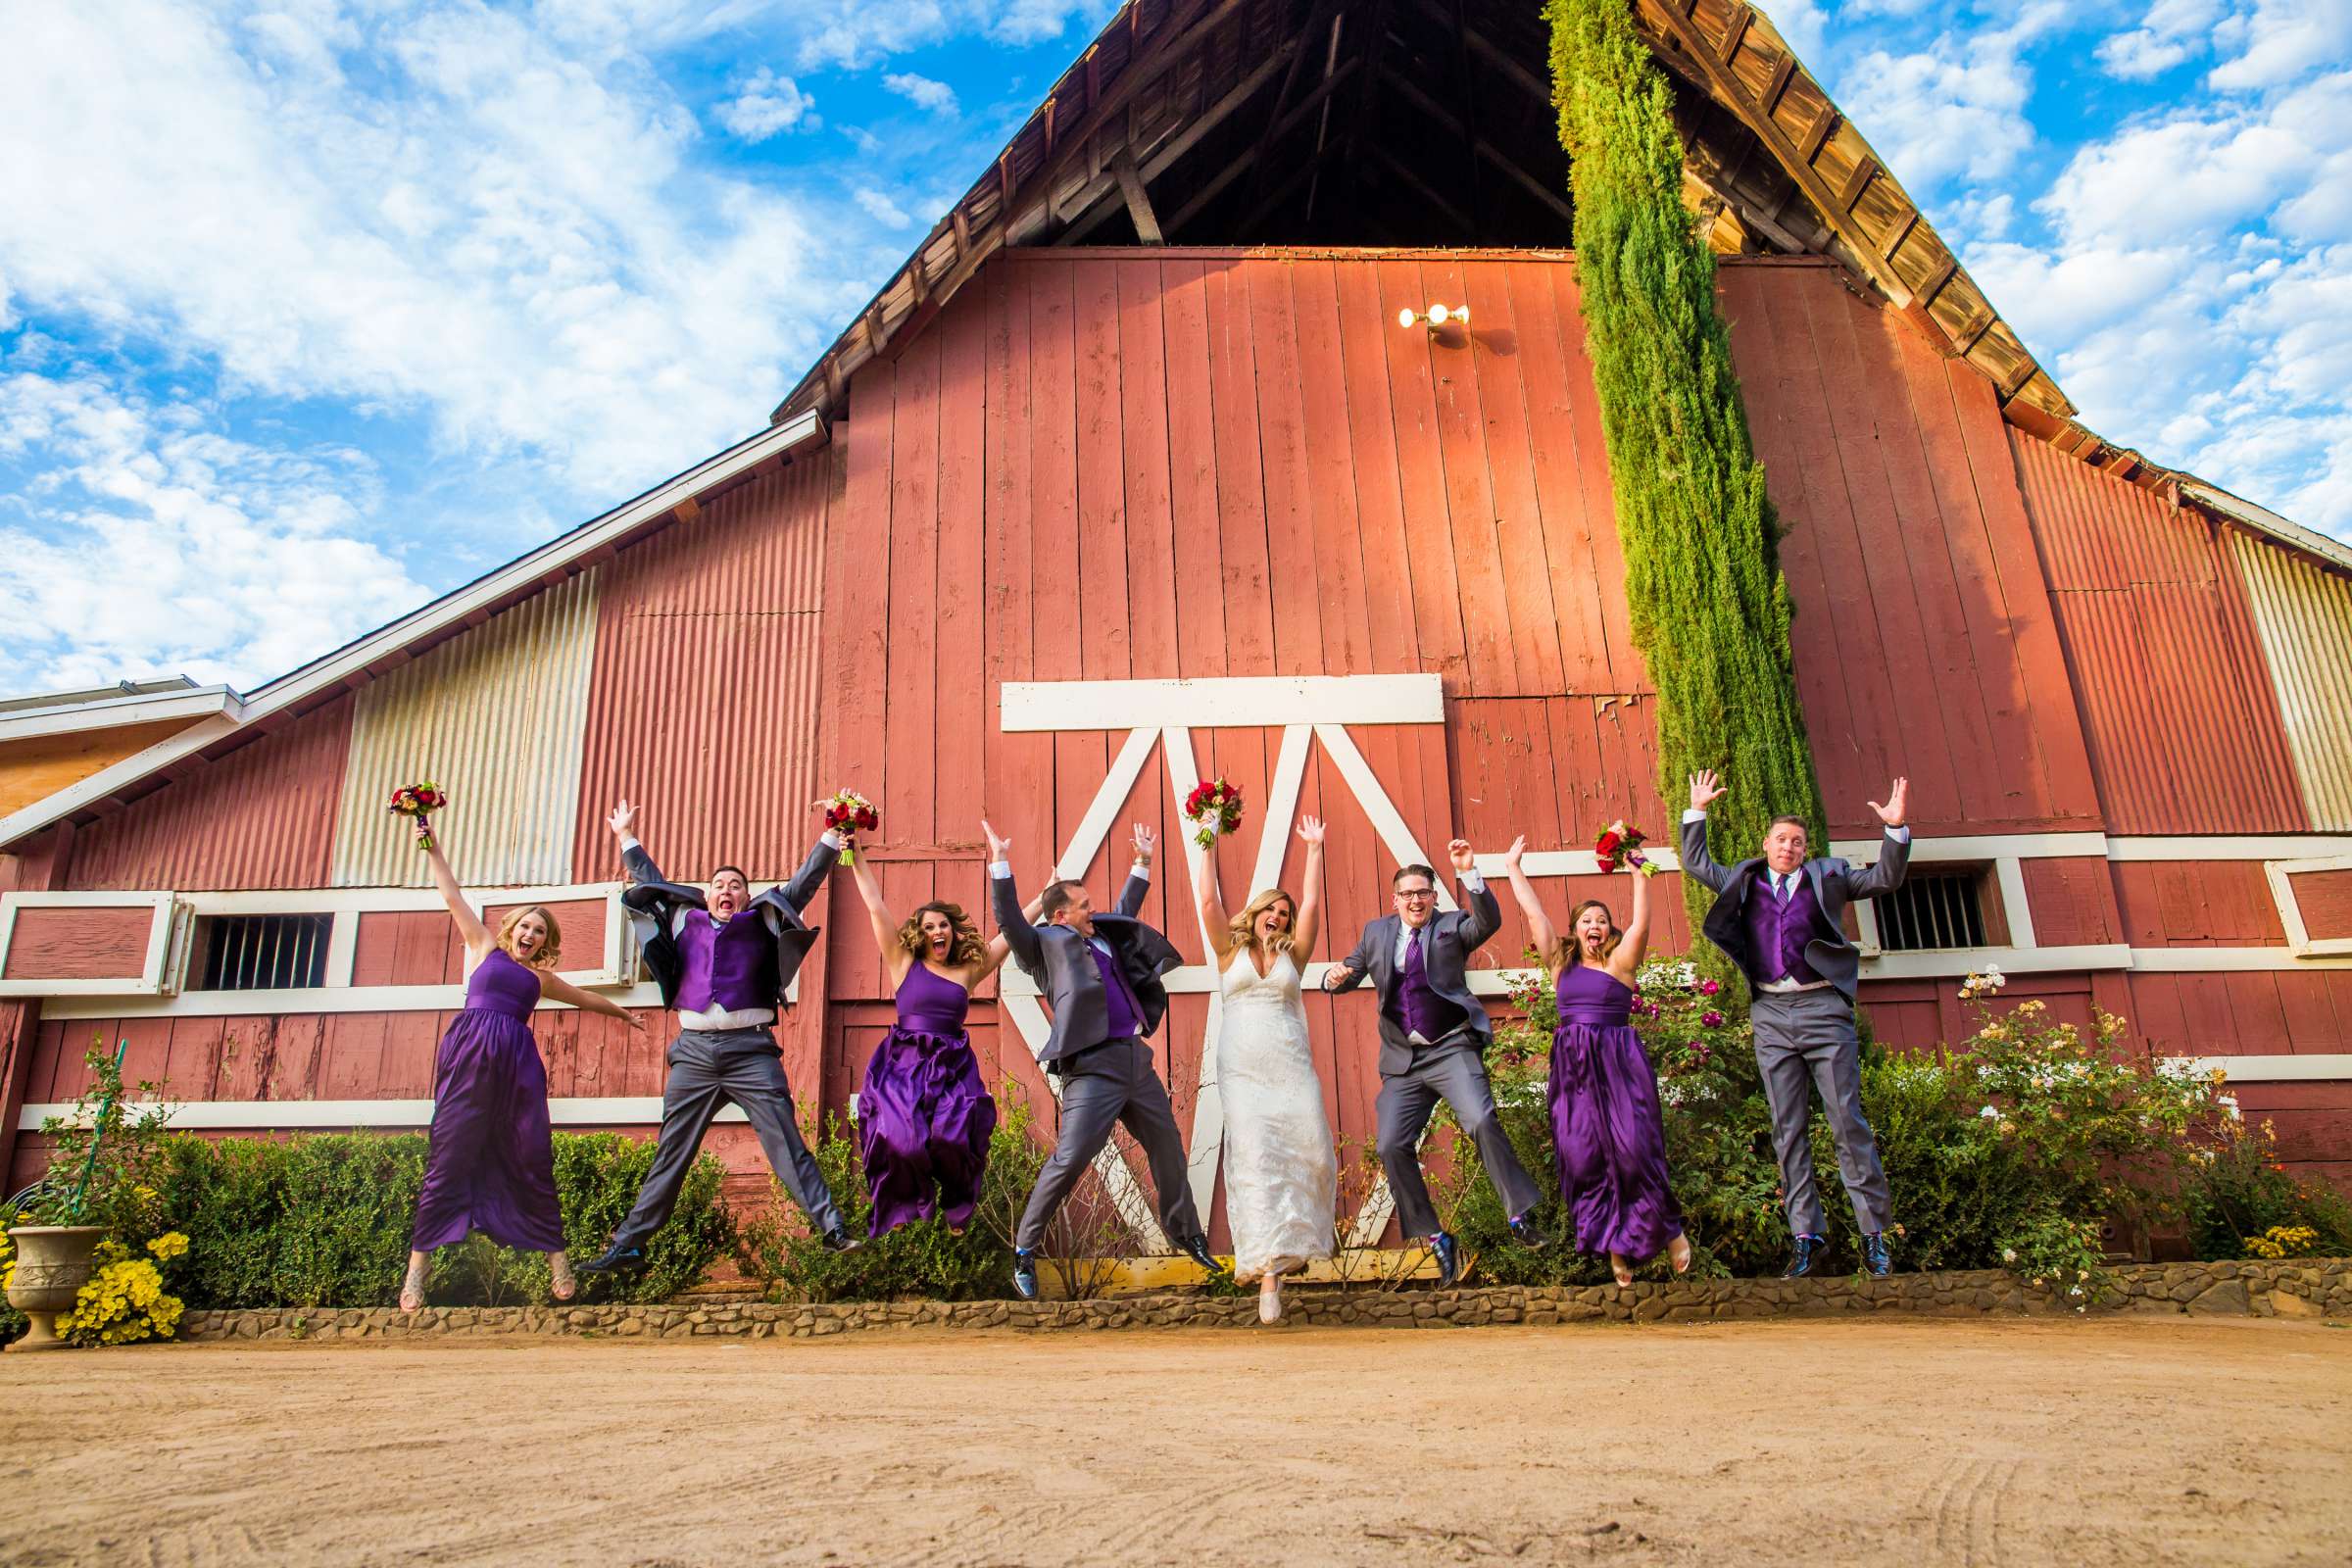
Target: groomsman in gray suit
(1781,918)
(1433,1040)
(1101,972)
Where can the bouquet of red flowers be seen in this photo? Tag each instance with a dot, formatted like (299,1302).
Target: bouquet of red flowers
(1216,806)
(849,813)
(418,801)
(1620,844)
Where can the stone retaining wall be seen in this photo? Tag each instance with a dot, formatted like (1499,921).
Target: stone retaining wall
(2312,1288)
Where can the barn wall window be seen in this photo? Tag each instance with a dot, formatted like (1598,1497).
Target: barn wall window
(1942,908)
(262,952)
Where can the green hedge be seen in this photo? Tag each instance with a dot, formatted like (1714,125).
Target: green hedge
(324,1221)
(1709,608)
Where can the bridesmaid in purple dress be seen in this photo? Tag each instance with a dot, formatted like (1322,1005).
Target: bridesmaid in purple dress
(492,1165)
(923,1115)
(1604,1095)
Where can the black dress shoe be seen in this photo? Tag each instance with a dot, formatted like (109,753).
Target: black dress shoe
(1523,1230)
(617,1259)
(1875,1256)
(1449,1257)
(1800,1260)
(1024,1273)
(1195,1248)
(838,1240)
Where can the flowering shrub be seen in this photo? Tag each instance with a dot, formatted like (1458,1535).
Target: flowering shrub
(124,1301)
(2012,1149)
(2242,1194)
(2285,1240)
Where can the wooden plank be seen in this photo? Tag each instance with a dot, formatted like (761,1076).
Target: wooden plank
(1921,545)
(902,594)
(1522,558)
(963,717)
(1558,459)
(1198,551)
(1913,733)
(1330,527)
(1435,587)
(2057,726)
(1999,678)
(852,721)
(1144,415)
(1138,200)
(1241,484)
(1284,468)
(1103,621)
(1626,671)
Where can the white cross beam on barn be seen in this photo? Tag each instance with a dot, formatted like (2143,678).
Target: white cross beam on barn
(1308,710)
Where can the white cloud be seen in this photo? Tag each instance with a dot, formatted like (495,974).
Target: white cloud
(145,544)
(485,229)
(2279,41)
(1950,112)
(924,93)
(2170,32)
(767,104)
(881,209)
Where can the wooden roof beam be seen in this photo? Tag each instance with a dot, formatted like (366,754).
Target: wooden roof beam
(1098,201)
(1139,200)
(1479,146)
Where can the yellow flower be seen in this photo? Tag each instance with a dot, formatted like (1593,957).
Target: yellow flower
(169,1246)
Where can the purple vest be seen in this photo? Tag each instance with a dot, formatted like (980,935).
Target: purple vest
(1121,1018)
(731,966)
(1412,1005)
(1778,931)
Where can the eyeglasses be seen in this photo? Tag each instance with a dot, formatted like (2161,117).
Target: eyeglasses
(1416,894)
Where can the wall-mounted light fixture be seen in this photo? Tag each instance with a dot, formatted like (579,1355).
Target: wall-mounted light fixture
(1435,316)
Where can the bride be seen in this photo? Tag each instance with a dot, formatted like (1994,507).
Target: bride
(1281,1175)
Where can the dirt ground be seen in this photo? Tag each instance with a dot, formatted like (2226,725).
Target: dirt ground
(2117,1442)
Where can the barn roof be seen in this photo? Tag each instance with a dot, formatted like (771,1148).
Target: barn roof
(1222,120)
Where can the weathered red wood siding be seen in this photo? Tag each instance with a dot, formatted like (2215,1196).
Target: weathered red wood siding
(1923,639)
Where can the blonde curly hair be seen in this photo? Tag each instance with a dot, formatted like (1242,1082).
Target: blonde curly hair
(549,951)
(1243,929)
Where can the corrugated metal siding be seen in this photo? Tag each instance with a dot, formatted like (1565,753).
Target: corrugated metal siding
(2303,613)
(262,816)
(495,716)
(703,706)
(2184,731)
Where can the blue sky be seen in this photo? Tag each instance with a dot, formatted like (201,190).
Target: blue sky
(312,310)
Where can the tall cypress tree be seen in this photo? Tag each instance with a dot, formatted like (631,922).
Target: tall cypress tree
(1708,605)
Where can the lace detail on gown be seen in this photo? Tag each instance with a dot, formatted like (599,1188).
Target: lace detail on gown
(1282,1175)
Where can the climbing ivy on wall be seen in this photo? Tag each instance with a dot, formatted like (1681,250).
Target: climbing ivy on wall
(1702,580)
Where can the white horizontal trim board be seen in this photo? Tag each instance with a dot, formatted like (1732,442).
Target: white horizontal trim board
(449,610)
(1985,846)
(316,1000)
(2234,847)
(1570,862)
(111,712)
(2318,1067)
(1225,702)
(215,1115)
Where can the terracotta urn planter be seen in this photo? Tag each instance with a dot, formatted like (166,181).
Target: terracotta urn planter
(53,1265)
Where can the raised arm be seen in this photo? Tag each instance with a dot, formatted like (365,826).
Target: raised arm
(1895,851)
(1634,944)
(1214,918)
(633,855)
(896,959)
(1309,923)
(557,989)
(1012,921)
(999,949)
(1139,880)
(811,877)
(477,936)
(1705,789)
(1539,930)
(1481,915)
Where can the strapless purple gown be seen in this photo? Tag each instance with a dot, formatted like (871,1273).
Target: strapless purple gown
(1605,1123)
(493,1161)
(924,1117)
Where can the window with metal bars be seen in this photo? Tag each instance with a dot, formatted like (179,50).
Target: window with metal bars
(264,952)
(1932,909)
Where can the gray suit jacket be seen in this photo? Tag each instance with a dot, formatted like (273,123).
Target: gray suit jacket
(652,906)
(1453,935)
(1835,882)
(1062,963)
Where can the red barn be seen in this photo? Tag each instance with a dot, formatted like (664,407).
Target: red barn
(1130,475)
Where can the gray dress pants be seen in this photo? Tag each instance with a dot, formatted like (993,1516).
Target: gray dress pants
(1805,1040)
(1113,1085)
(1457,1075)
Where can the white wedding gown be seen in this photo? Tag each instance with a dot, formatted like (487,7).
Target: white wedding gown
(1282,1175)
